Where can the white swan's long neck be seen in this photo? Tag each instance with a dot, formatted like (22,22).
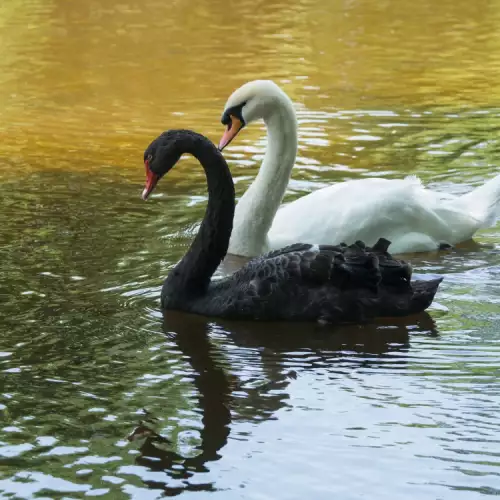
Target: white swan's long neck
(256,209)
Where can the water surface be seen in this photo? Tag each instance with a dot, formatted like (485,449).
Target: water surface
(103,396)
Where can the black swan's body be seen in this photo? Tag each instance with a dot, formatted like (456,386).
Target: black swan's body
(300,282)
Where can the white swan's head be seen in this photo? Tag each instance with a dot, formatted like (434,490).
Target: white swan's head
(252,101)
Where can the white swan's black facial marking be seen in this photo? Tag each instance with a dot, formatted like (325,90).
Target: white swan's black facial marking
(236,111)
(233,119)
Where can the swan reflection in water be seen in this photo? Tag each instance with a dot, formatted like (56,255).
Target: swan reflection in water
(221,392)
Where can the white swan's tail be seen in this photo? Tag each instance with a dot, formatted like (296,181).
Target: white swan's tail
(483,203)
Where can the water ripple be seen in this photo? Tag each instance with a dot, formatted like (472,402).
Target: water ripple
(102,394)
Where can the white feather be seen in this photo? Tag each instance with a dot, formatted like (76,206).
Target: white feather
(413,218)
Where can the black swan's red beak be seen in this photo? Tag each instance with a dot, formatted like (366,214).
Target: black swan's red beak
(151,181)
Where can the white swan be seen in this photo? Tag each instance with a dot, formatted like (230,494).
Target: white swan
(413,218)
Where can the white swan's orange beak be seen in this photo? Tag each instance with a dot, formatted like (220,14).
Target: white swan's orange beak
(151,181)
(232,131)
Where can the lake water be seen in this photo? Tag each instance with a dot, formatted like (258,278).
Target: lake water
(99,394)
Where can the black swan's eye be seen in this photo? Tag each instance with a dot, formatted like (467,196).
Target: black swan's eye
(149,158)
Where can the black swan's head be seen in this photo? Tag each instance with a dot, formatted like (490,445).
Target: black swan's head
(160,156)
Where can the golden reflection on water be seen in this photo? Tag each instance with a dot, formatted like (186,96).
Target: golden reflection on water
(90,83)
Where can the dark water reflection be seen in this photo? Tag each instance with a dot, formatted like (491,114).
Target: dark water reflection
(225,397)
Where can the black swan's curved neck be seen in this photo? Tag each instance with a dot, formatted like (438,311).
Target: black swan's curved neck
(192,274)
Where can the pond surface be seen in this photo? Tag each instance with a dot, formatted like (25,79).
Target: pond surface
(102,396)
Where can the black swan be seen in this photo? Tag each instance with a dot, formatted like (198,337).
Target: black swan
(301,282)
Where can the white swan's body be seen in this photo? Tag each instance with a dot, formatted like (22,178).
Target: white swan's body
(403,211)
(413,218)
